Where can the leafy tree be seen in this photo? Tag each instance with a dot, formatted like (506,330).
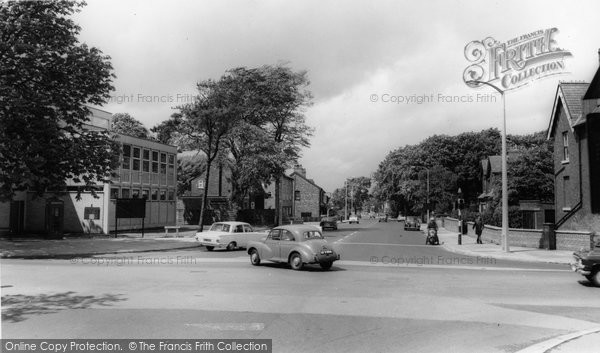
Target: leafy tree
(125,124)
(168,131)
(207,121)
(275,98)
(46,79)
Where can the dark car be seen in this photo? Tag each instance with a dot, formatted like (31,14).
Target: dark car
(587,263)
(296,245)
(412,223)
(328,222)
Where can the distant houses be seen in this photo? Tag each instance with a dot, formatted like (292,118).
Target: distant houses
(299,196)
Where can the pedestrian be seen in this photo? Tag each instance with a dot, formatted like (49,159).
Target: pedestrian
(478,226)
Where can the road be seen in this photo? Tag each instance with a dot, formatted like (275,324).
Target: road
(426,300)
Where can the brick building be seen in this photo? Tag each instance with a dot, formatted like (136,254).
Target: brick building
(146,170)
(575,130)
(309,201)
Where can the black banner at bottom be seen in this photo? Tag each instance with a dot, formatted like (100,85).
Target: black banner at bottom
(136,345)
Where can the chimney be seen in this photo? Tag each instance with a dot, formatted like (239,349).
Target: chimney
(298,169)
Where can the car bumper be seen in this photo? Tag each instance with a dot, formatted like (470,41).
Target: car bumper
(577,266)
(320,258)
(210,243)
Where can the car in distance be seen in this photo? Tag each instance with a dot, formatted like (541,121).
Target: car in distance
(412,223)
(587,263)
(228,235)
(382,218)
(328,222)
(296,245)
(353,219)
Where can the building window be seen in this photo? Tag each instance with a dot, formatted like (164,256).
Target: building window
(163,195)
(136,164)
(114,193)
(135,193)
(154,161)
(565,138)
(125,193)
(154,195)
(136,152)
(126,157)
(297,195)
(145,193)
(171,195)
(147,154)
(200,184)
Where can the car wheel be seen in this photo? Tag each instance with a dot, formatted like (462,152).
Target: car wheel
(326,265)
(254,257)
(210,248)
(594,277)
(296,261)
(231,246)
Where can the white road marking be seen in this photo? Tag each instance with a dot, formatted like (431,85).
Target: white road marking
(387,244)
(399,264)
(230,326)
(551,343)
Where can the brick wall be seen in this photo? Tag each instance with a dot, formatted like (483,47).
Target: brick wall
(309,198)
(527,238)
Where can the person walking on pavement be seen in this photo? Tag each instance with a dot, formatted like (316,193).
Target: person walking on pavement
(478,226)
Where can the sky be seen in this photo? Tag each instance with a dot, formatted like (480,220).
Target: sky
(384,74)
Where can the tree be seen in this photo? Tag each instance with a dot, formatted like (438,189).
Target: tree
(168,130)
(208,120)
(125,124)
(46,79)
(281,95)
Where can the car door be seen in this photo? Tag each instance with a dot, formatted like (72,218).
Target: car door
(286,244)
(238,235)
(272,245)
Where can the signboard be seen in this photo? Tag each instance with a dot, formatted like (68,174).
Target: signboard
(131,208)
(516,62)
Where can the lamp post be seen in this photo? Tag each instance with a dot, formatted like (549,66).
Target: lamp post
(346,201)
(505,245)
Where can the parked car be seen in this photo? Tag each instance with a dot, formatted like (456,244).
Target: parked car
(412,223)
(382,218)
(328,222)
(587,263)
(228,235)
(353,219)
(401,218)
(294,244)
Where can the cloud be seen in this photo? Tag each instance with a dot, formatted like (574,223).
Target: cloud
(351,50)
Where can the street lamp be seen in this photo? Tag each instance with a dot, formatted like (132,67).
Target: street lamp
(505,245)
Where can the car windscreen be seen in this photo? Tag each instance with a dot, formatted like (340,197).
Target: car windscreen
(312,234)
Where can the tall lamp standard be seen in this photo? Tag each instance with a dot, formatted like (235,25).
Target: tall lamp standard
(505,245)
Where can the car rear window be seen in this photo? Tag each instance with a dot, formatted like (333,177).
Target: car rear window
(312,234)
(220,227)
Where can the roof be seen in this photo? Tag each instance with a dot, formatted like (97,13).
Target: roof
(568,96)
(593,91)
(310,181)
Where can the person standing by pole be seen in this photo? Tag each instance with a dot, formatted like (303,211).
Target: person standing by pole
(478,226)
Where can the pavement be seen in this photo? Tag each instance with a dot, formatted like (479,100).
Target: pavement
(38,247)
(470,247)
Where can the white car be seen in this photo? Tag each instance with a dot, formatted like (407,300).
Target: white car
(229,235)
(353,219)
